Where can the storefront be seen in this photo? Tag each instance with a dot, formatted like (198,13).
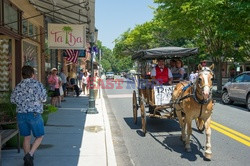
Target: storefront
(21,38)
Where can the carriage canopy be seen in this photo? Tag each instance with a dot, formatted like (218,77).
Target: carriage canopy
(164,52)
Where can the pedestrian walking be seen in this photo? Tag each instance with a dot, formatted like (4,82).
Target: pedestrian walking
(29,96)
(84,83)
(64,82)
(53,81)
(192,77)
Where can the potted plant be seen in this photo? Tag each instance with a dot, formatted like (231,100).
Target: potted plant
(7,112)
(8,119)
(47,109)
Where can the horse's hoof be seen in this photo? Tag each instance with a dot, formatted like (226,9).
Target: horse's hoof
(208,156)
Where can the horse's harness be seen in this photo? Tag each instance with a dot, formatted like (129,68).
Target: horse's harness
(194,92)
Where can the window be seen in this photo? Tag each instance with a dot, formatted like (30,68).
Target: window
(31,31)
(10,17)
(30,55)
(239,78)
(247,77)
(35,34)
(25,27)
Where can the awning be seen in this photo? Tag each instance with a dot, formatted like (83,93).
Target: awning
(164,52)
(68,11)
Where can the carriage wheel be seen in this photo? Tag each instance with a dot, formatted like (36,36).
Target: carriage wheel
(135,107)
(143,118)
(200,124)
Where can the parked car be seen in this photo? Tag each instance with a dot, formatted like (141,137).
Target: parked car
(238,89)
(110,75)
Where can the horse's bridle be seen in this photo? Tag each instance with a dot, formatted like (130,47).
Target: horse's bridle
(194,90)
(197,88)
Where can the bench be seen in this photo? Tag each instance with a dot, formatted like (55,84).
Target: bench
(7,134)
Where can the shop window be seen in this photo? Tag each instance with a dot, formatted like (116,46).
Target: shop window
(5,68)
(10,17)
(31,30)
(25,27)
(30,55)
(35,34)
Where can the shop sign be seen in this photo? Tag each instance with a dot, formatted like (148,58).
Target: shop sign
(66,36)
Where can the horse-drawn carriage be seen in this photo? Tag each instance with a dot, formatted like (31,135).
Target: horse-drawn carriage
(166,101)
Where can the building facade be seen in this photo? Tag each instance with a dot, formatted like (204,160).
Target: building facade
(21,42)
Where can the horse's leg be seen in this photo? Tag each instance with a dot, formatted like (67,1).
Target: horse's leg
(208,151)
(189,132)
(182,126)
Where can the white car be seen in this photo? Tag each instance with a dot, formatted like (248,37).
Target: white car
(237,90)
(110,75)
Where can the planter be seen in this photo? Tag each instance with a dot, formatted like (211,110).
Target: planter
(45,117)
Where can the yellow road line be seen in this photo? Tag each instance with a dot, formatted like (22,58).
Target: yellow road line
(243,141)
(231,131)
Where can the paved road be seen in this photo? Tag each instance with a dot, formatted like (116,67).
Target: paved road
(162,146)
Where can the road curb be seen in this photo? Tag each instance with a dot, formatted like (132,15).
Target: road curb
(110,153)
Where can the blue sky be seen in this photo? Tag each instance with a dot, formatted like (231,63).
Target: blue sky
(113,17)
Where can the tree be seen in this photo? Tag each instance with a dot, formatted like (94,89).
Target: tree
(67,29)
(110,62)
(215,25)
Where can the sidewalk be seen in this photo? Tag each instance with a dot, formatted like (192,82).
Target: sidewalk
(72,138)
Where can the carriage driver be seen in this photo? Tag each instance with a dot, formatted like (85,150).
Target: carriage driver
(161,73)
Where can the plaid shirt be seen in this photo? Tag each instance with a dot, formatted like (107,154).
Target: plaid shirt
(28,95)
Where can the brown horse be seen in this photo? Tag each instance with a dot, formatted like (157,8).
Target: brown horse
(192,101)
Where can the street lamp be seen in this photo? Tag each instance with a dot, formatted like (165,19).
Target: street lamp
(92,109)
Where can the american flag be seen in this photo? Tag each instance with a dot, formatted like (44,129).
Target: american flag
(72,55)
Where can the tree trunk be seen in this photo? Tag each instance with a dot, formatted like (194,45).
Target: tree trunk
(218,74)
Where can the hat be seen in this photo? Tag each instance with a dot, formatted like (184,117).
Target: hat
(53,69)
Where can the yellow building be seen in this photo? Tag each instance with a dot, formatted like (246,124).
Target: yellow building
(21,42)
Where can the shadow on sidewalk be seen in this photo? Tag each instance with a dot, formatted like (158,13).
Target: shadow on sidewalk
(63,137)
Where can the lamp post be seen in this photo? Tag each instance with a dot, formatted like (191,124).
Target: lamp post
(92,109)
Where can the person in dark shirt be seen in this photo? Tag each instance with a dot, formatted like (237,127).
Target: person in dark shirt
(76,88)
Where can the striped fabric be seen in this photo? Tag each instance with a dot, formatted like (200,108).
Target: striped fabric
(72,55)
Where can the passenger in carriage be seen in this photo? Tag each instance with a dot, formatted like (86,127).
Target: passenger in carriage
(162,74)
(173,66)
(180,73)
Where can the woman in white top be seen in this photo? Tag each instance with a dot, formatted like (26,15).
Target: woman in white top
(84,83)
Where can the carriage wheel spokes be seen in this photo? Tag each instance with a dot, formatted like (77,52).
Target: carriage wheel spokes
(200,124)
(143,117)
(135,107)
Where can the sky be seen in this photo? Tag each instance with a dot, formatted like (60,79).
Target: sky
(113,17)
